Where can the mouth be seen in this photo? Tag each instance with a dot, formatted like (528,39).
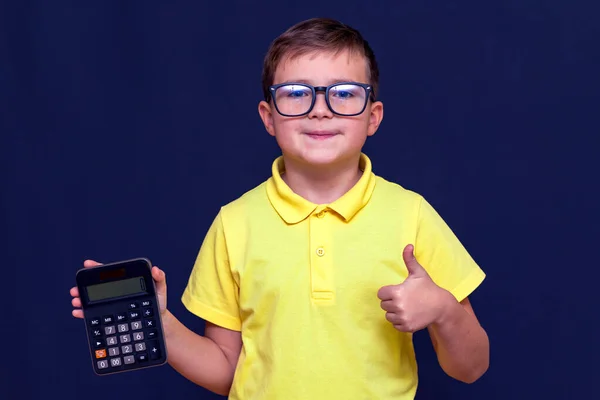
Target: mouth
(321,135)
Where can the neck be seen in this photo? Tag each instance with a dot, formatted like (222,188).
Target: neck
(321,185)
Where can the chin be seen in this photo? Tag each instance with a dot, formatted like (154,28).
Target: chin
(322,157)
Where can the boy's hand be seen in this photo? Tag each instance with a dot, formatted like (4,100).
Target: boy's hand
(161,290)
(417,302)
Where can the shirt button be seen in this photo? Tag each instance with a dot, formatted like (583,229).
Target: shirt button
(320,252)
(321,214)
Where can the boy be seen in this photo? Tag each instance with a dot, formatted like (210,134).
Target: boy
(312,283)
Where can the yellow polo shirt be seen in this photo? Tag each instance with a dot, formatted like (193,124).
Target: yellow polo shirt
(300,281)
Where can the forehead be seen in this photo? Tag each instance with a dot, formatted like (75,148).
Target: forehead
(322,68)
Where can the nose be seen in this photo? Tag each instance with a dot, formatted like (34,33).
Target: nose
(320,109)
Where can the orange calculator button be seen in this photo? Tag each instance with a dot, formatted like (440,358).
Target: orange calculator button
(100,353)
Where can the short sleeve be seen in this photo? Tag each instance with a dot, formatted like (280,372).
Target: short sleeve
(212,293)
(444,257)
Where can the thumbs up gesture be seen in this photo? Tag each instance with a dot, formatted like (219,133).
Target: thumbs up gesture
(417,302)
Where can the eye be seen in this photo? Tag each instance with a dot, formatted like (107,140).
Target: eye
(346,91)
(297,93)
(343,94)
(294,91)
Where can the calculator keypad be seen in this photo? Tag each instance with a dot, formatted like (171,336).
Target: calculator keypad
(126,338)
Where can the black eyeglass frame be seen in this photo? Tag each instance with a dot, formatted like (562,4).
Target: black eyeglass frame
(370,95)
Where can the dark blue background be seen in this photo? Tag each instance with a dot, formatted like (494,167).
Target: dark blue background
(125,125)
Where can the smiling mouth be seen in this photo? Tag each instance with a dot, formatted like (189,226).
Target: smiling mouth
(321,135)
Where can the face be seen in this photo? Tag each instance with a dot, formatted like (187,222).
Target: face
(322,138)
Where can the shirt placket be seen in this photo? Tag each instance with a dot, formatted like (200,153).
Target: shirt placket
(321,252)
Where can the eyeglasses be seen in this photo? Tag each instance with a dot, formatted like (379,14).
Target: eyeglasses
(344,98)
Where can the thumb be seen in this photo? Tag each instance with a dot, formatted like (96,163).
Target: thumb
(412,265)
(90,263)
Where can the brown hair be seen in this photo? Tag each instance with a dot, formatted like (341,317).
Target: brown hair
(317,34)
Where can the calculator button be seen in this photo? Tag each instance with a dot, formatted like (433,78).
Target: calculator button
(134,314)
(152,334)
(101,353)
(115,362)
(111,341)
(123,328)
(140,346)
(97,343)
(96,333)
(154,350)
(113,351)
(109,330)
(148,312)
(142,357)
(136,325)
(121,317)
(129,359)
(127,349)
(146,303)
(95,322)
(125,338)
(102,364)
(107,319)
(138,336)
(133,306)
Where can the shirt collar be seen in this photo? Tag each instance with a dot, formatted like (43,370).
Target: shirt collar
(293,208)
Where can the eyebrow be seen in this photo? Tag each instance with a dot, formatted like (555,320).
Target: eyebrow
(309,82)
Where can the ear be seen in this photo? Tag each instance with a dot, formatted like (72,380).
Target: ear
(375,118)
(266,114)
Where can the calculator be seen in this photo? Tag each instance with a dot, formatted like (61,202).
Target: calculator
(122,317)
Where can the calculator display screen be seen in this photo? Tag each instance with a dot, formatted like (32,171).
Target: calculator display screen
(124,287)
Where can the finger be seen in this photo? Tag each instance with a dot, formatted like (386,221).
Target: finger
(77,313)
(393,318)
(90,263)
(160,278)
(158,274)
(76,302)
(388,305)
(74,291)
(387,292)
(412,265)
(402,327)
